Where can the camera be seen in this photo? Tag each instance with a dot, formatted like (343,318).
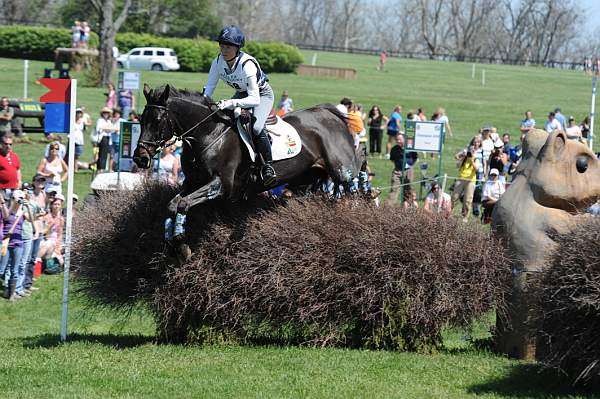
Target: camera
(20,201)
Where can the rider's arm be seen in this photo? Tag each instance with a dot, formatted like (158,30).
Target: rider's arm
(253,98)
(213,78)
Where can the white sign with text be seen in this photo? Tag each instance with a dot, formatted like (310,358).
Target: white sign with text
(428,136)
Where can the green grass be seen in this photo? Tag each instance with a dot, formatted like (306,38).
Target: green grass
(110,355)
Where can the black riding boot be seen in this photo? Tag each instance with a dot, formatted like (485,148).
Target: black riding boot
(263,146)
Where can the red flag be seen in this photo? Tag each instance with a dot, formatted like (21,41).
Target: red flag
(60,90)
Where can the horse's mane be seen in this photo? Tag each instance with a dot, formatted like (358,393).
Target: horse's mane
(196,96)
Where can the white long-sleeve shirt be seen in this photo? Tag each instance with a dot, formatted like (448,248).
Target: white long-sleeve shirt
(244,76)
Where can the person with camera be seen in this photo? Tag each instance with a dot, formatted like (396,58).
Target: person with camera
(12,244)
(465,184)
(37,201)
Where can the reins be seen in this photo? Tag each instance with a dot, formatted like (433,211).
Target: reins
(167,143)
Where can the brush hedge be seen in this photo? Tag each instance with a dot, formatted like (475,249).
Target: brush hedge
(308,271)
(570,304)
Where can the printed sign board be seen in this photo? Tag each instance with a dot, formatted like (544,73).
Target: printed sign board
(427,136)
(130,135)
(129,80)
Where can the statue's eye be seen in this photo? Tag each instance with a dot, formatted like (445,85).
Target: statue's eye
(581,164)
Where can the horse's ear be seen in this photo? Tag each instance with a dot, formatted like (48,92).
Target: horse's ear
(147,91)
(165,94)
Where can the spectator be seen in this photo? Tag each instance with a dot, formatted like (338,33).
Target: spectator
(133,117)
(52,167)
(585,127)
(75,34)
(421,115)
(494,134)
(528,123)
(382,59)
(561,119)
(508,148)
(167,167)
(551,124)
(11,232)
(492,191)
(465,184)
(442,117)
(286,104)
(573,130)
(401,176)
(10,166)
(438,201)
(78,138)
(85,34)
(475,148)
(126,101)
(487,145)
(344,105)
(115,137)
(376,122)
(111,96)
(37,199)
(394,127)
(28,234)
(356,127)
(7,114)
(51,246)
(104,130)
(498,160)
(412,202)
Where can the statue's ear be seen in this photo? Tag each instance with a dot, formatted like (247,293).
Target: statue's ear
(165,94)
(554,147)
(147,91)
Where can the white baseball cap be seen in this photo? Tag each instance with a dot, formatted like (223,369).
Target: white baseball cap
(494,171)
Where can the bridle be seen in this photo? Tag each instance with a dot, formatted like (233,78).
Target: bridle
(163,143)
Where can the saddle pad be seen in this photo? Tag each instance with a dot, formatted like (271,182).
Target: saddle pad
(285,139)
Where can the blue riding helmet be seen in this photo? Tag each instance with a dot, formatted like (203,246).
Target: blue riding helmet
(232,35)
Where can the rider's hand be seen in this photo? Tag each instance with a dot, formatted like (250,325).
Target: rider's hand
(226,104)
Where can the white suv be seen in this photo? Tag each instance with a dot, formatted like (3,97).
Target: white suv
(154,58)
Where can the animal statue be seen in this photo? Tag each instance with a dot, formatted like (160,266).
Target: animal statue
(556,179)
(216,161)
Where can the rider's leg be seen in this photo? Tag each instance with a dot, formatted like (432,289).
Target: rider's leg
(261,139)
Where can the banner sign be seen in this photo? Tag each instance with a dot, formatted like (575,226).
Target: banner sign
(426,136)
(130,135)
(58,99)
(129,80)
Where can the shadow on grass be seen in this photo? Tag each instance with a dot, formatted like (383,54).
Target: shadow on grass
(527,380)
(112,340)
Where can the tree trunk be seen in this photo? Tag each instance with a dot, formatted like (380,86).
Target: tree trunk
(108,31)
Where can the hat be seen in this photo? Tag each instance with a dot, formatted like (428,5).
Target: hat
(571,118)
(75,197)
(494,171)
(498,143)
(39,176)
(106,110)
(62,197)
(18,194)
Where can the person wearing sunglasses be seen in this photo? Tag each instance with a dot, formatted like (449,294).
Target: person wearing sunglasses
(54,168)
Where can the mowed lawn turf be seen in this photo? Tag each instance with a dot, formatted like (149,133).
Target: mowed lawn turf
(114,355)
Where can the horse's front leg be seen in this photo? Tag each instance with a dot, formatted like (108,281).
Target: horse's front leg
(179,206)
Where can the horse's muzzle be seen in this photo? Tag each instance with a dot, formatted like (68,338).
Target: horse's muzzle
(142,158)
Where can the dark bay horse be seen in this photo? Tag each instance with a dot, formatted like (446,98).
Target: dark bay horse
(215,161)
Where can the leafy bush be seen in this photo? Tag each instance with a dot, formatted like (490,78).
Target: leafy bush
(309,271)
(195,55)
(35,43)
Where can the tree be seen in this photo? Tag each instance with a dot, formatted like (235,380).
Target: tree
(108,31)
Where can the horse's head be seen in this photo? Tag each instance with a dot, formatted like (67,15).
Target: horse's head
(156,123)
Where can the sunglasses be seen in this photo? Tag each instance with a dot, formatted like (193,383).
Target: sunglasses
(7,144)
(54,148)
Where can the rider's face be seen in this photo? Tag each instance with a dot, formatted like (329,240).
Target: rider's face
(228,51)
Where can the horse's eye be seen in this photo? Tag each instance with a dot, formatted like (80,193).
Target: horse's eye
(581,164)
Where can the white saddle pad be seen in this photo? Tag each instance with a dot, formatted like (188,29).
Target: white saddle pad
(286,141)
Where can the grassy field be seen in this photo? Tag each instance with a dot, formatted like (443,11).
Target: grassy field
(112,355)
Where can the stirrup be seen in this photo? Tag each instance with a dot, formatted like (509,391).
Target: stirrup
(268,175)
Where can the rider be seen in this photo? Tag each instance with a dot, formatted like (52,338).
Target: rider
(242,72)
